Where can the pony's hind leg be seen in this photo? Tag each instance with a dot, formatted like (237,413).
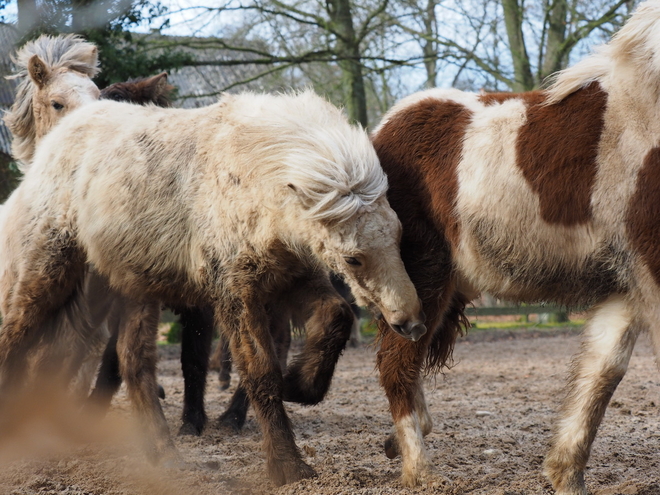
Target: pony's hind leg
(224,372)
(609,338)
(108,379)
(137,352)
(197,336)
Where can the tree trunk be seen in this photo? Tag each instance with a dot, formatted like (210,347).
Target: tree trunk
(513,17)
(555,58)
(348,52)
(430,47)
(28,16)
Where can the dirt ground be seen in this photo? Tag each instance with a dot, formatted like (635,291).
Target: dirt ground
(492,418)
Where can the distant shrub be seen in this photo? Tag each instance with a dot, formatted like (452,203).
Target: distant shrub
(174,333)
(369,327)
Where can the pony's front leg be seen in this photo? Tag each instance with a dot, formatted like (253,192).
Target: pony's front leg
(54,268)
(609,339)
(399,363)
(261,375)
(328,327)
(136,348)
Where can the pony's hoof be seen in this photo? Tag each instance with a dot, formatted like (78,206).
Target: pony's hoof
(231,420)
(161,392)
(190,429)
(411,480)
(287,472)
(565,480)
(392,447)
(224,384)
(164,455)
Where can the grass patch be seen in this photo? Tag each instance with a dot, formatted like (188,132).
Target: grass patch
(486,325)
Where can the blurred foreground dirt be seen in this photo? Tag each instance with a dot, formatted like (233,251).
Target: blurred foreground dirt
(492,418)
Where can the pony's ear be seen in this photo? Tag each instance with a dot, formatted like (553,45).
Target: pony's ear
(91,55)
(159,78)
(159,83)
(39,71)
(157,89)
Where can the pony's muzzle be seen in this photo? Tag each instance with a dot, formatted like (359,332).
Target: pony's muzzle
(411,330)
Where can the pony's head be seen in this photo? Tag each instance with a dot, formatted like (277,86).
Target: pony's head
(153,89)
(364,249)
(55,77)
(332,171)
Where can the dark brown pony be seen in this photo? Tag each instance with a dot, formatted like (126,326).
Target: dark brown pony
(143,91)
(542,196)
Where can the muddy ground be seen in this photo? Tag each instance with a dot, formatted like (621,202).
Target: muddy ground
(492,418)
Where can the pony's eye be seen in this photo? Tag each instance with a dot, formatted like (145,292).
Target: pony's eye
(352,261)
(56,105)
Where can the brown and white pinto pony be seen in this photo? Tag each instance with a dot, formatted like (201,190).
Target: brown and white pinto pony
(232,206)
(544,196)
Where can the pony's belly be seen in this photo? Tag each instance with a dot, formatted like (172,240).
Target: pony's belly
(569,266)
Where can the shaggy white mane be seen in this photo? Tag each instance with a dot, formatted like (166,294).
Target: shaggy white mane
(637,43)
(71,52)
(330,163)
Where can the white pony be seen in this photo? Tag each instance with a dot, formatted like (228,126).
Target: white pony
(229,206)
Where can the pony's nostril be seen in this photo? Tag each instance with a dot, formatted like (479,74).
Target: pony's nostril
(398,329)
(417,331)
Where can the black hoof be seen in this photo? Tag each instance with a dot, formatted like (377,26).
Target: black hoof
(190,429)
(232,420)
(161,392)
(297,390)
(391,447)
(224,384)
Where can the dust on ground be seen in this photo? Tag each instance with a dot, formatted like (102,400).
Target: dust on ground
(492,418)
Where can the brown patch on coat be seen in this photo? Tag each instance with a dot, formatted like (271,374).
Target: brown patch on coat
(153,89)
(557,151)
(530,97)
(643,217)
(419,149)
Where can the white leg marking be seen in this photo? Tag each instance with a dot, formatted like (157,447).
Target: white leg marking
(608,344)
(425,421)
(411,443)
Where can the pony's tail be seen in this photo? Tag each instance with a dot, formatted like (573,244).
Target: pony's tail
(454,324)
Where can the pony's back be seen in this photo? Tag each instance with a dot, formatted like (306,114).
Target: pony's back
(275,159)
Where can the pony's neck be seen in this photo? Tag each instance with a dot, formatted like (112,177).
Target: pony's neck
(637,91)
